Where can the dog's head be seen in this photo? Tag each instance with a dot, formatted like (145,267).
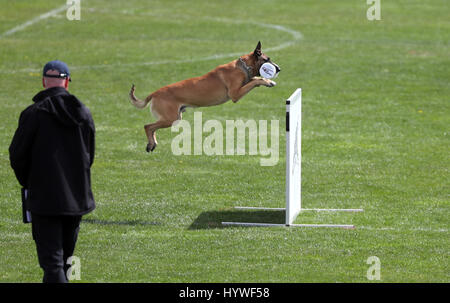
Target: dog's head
(258,58)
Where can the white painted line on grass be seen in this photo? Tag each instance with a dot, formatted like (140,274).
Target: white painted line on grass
(12,222)
(34,20)
(296,36)
(249,224)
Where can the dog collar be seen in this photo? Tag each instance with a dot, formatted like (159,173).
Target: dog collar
(247,69)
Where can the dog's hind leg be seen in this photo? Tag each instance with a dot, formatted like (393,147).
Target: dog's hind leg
(150,131)
(167,113)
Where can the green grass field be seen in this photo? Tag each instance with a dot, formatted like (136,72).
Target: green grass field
(376,116)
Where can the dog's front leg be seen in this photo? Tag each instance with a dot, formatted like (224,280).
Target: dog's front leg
(236,93)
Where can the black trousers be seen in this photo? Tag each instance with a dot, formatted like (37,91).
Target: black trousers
(55,238)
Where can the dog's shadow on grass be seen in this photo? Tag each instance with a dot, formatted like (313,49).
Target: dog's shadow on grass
(214,219)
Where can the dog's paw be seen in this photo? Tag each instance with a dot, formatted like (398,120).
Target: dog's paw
(270,83)
(150,147)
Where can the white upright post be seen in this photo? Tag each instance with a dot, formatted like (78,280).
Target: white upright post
(293,155)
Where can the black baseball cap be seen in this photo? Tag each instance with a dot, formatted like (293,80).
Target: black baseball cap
(59,66)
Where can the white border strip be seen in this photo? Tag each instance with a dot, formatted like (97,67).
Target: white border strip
(34,20)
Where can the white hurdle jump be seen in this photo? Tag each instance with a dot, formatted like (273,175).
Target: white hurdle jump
(293,173)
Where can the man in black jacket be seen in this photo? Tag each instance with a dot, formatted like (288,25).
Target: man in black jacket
(51,154)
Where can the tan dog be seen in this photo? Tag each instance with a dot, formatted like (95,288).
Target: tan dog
(229,81)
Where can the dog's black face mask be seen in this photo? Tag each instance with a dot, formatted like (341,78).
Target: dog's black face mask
(261,58)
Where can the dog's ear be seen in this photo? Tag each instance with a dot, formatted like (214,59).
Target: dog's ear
(257,51)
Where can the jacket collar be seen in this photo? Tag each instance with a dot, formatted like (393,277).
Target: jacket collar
(50,92)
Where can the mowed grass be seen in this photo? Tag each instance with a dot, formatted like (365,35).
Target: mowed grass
(376,118)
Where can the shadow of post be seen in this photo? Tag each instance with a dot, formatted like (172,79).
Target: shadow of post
(214,219)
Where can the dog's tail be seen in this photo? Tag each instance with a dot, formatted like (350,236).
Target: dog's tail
(136,102)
